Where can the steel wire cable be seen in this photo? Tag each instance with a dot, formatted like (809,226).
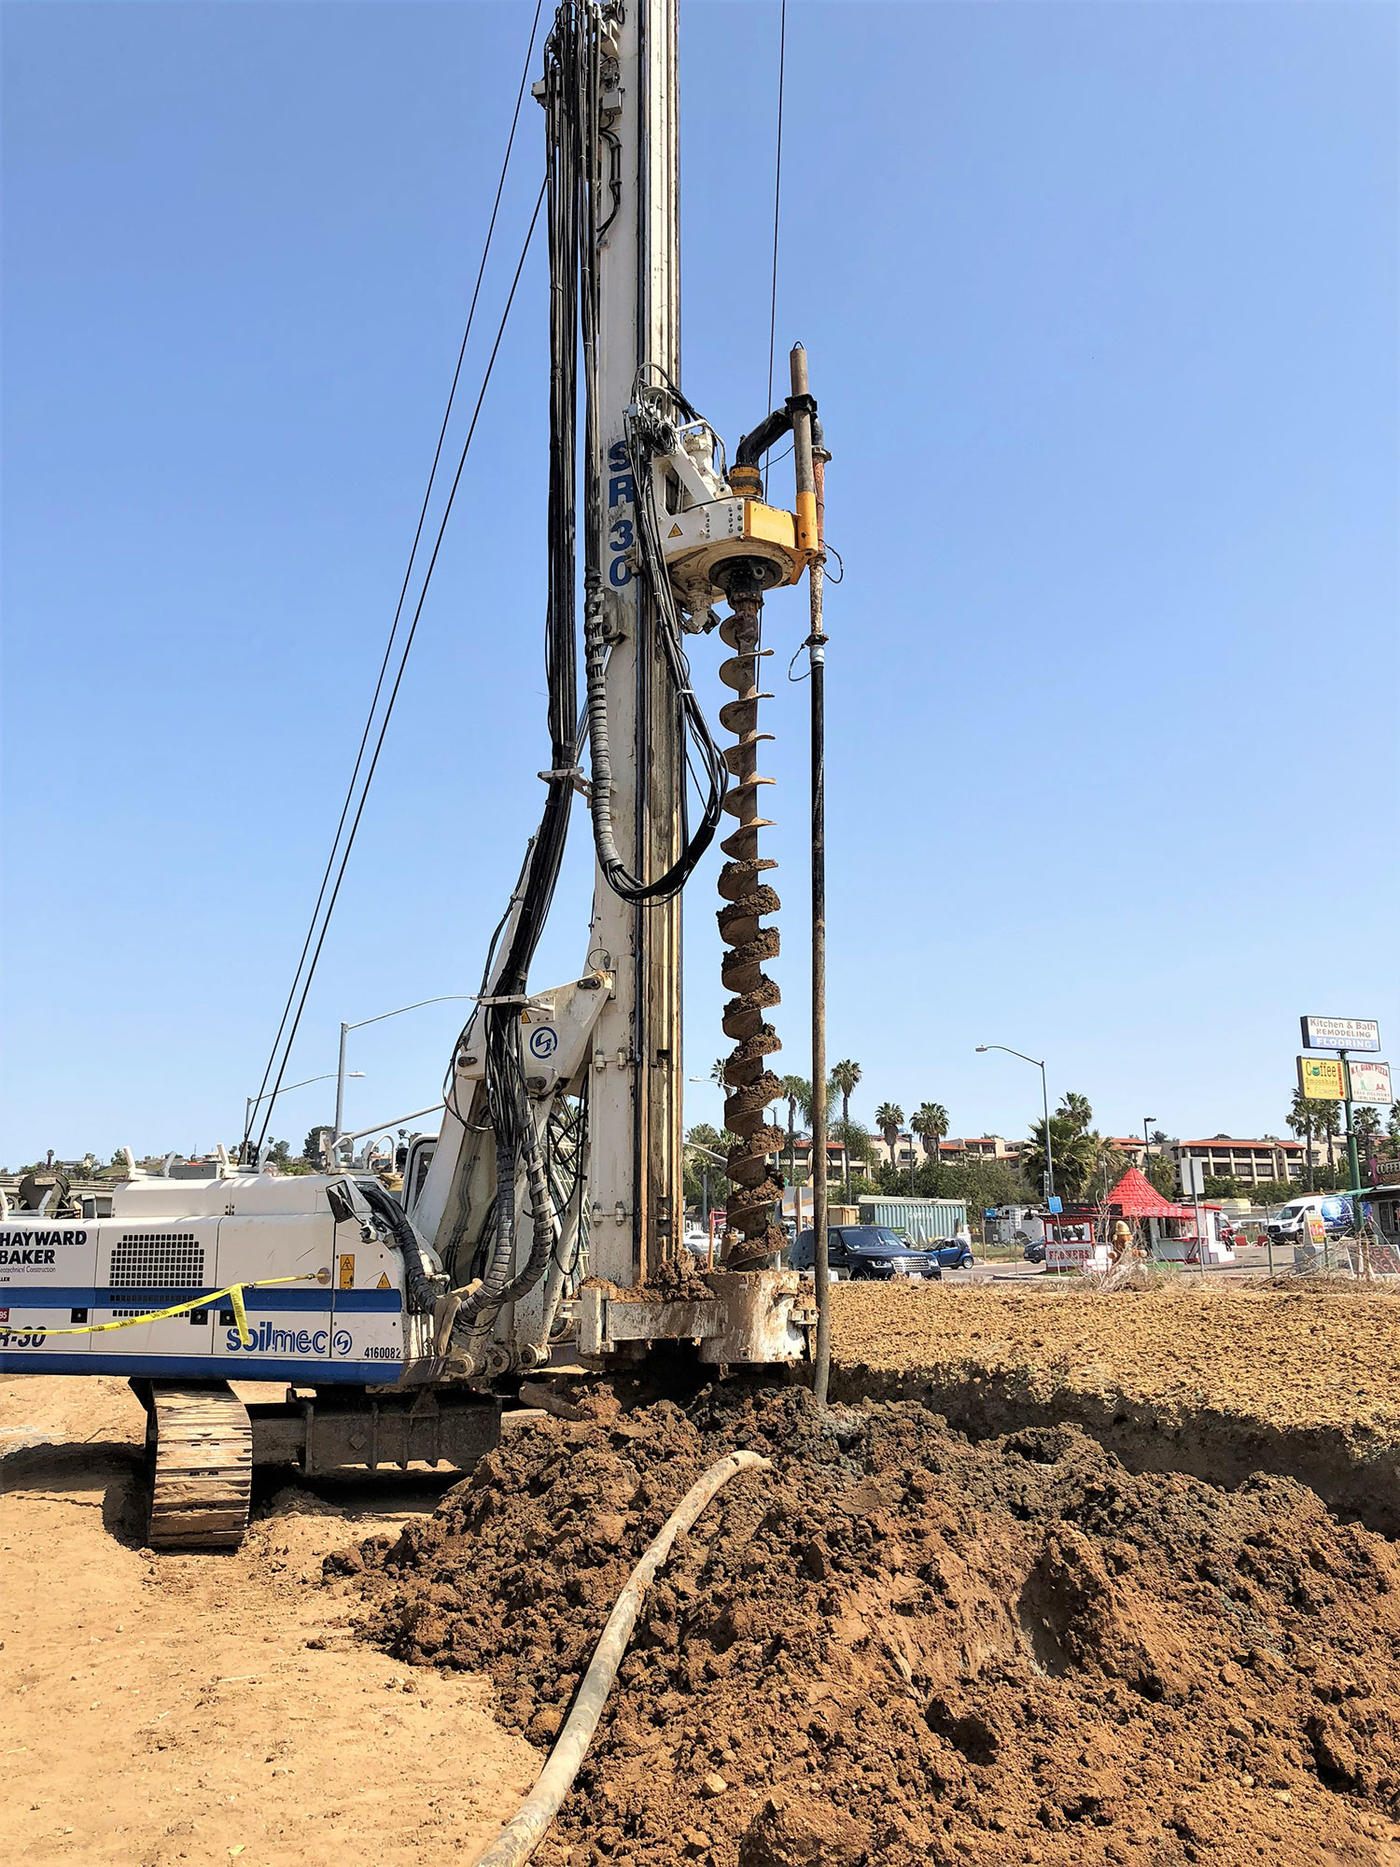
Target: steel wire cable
(408,571)
(571,98)
(403,663)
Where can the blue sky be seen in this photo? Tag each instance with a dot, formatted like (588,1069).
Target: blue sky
(1100,302)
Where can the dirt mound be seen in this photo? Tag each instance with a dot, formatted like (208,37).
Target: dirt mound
(901,1647)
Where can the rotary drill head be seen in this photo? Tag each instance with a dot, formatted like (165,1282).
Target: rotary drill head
(751,1238)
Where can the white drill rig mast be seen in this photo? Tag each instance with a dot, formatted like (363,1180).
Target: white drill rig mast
(672,531)
(632,1057)
(634,1178)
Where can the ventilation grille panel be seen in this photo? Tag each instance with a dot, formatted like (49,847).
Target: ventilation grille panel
(156,1261)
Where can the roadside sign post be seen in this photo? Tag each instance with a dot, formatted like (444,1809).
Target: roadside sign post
(1341,1034)
(1370,1082)
(1353,1163)
(1193,1186)
(1321,1078)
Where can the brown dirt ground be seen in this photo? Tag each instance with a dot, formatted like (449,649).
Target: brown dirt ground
(171,1709)
(1307,1357)
(899,1647)
(1210,1651)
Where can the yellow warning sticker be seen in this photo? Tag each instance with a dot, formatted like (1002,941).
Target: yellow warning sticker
(383,1283)
(347,1270)
(674,532)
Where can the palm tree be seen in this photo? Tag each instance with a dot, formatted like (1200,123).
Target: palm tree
(1366,1126)
(1081,1155)
(1302,1120)
(1110,1163)
(930,1122)
(844,1077)
(1075,1110)
(888,1119)
(797,1092)
(1328,1122)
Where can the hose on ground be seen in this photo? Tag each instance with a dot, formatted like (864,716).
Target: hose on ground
(525,1830)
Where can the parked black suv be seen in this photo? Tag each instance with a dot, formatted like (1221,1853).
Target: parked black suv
(866,1251)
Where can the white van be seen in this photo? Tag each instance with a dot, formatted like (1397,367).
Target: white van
(1291,1221)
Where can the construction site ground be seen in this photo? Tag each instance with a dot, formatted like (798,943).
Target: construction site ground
(1136,1601)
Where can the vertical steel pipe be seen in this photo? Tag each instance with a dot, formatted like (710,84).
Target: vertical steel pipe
(810,459)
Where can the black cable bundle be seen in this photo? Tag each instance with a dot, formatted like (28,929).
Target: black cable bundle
(572,86)
(575,150)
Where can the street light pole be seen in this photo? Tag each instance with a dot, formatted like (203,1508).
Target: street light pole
(1145,1120)
(340,1080)
(345,1030)
(1045,1106)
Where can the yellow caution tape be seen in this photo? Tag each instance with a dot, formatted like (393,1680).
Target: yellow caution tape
(234,1291)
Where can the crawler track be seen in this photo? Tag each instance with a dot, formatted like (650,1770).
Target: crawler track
(200,1443)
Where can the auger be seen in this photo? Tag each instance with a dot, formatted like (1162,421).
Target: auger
(751,1239)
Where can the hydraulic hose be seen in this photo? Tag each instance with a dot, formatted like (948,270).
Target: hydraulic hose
(757,442)
(542,1237)
(421,1292)
(525,1830)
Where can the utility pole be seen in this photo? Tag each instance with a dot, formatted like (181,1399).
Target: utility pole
(340,1083)
(634,1176)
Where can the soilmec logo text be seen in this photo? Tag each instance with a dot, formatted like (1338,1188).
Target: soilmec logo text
(34,1247)
(268,1339)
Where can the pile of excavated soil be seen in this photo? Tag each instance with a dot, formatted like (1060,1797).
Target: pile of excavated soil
(898,1647)
(1308,1354)
(1199,1377)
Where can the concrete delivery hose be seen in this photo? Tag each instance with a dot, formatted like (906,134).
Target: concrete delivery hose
(524,1831)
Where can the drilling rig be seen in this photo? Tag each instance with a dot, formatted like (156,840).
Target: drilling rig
(540,1230)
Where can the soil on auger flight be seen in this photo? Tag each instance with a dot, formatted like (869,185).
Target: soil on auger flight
(900,1647)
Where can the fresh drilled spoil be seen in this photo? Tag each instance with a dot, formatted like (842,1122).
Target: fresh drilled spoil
(902,1647)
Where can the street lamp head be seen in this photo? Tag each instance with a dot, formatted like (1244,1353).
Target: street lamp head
(980,1049)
